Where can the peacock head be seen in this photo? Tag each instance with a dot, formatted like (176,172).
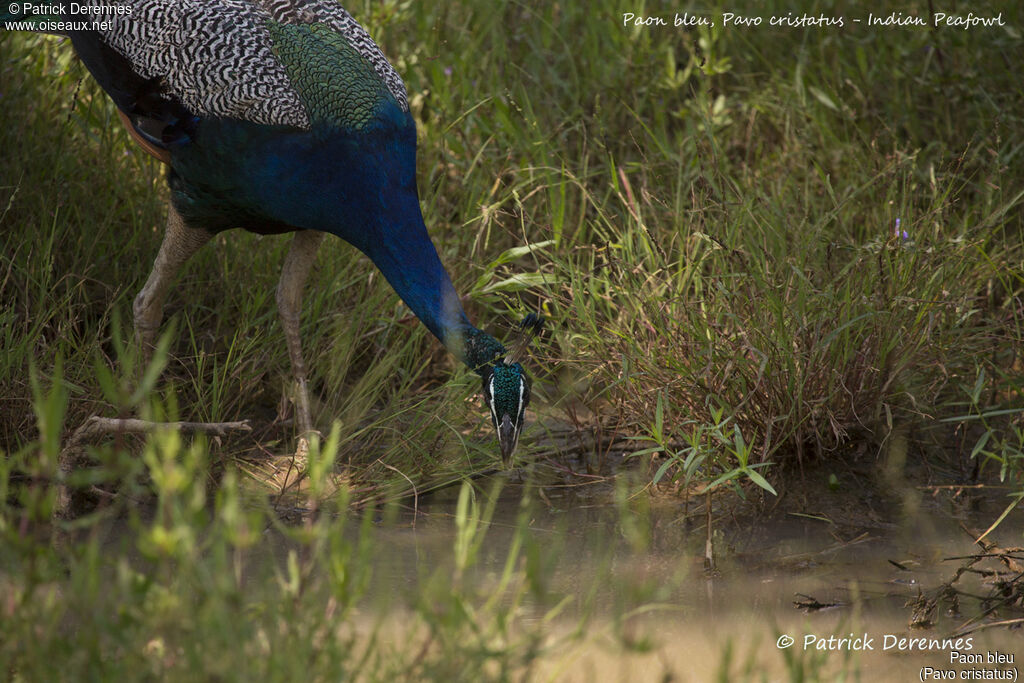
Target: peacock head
(506,393)
(506,385)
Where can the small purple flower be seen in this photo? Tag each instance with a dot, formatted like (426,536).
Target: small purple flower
(447,71)
(901,233)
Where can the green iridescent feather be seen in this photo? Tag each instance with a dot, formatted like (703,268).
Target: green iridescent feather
(336,83)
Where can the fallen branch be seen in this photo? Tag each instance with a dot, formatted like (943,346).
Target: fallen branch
(98,426)
(991,624)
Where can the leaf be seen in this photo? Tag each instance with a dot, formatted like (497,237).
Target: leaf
(661,470)
(728,476)
(1007,511)
(982,416)
(156,366)
(822,97)
(520,282)
(105,378)
(659,419)
(694,460)
(645,451)
(981,444)
(760,481)
(515,252)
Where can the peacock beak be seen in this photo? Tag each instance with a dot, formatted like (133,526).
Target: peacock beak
(508,437)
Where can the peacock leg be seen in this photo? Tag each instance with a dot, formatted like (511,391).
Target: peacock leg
(180,242)
(296,269)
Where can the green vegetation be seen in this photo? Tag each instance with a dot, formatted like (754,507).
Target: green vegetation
(757,247)
(813,233)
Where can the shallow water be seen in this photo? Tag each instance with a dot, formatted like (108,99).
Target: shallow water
(841,594)
(618,592)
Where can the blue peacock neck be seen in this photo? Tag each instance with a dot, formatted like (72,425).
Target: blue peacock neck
(382,218)
(411,265)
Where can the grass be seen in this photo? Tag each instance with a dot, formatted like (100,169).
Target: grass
(712,219)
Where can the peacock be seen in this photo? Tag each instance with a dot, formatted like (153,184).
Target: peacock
(279,116)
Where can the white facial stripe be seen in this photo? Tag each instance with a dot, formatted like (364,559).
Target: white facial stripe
(494,411)
(522,407)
